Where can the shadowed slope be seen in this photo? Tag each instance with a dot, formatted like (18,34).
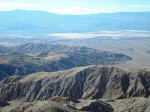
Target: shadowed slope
(77,83)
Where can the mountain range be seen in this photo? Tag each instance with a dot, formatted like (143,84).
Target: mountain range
(37,57)
(74,63)
(44,22)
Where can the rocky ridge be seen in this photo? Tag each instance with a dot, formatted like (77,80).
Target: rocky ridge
(78,83)
(82,89)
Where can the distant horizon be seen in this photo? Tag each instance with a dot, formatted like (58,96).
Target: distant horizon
(73,14)
(77,7)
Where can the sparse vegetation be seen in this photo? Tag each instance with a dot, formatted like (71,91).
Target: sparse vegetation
(31,58)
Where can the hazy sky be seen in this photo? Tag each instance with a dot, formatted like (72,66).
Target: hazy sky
(77,6)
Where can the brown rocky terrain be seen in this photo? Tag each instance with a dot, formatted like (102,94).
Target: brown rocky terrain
(56,106)
(78,83)
(62,104)
(78,90)
(138,104)
(33,57)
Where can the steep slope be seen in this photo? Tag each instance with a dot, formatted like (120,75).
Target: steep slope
(78,83)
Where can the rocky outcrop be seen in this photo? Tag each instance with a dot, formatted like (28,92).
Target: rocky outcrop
(97,106)
(138,104)
(77,83)
(56,106)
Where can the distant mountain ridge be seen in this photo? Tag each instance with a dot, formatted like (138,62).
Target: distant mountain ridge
(36,57)
(44,22)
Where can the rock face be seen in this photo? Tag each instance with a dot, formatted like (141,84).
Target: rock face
(77,83)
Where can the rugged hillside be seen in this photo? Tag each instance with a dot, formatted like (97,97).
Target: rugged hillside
(78,83)
(137,104)
(57,104)
(37,57)
(61,104)
(40,47)
(82,89)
